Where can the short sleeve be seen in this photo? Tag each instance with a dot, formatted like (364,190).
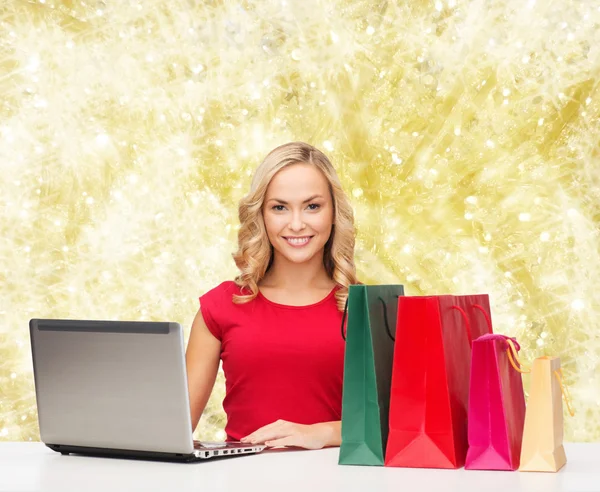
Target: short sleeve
(213,305)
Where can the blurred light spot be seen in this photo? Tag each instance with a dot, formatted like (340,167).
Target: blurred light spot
(34,63)
(525,217)
(102,139)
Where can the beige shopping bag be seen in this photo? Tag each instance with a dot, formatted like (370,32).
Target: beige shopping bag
(542,449)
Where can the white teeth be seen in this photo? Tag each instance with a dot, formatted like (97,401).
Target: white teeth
(298,241)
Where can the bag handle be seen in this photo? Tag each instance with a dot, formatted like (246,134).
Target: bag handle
(511,348)
(487,317)
(385,319)
(344,317)
(565,391)
(466,319)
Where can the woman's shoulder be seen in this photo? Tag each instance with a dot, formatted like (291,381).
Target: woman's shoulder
(224,289)
(215,305)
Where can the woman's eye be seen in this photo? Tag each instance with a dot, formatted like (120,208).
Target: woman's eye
(278,208)
(314,206)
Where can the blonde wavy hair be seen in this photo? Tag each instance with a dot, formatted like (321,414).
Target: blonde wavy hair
(255,253)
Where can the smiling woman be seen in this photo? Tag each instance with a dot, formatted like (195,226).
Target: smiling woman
(276,327)
(295,193)
(298,228)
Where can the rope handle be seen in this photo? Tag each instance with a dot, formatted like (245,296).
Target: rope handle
(487,316)
(385,318)
(512,352)
(565,391)
(466,319)
(344,317)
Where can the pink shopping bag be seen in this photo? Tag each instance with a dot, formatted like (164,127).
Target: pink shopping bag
(496,405)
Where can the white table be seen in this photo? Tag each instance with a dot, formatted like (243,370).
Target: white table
(33,467)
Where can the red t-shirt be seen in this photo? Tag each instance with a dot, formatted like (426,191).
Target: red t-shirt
(280,362)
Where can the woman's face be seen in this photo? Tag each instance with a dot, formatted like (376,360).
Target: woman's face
(298,212)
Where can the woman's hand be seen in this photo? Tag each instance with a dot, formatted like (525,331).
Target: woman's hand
(283,433)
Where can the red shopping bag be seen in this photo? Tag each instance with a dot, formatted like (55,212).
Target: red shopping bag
(496,405)
(430,379)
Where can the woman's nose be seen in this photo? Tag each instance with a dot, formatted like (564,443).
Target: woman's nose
(297,222)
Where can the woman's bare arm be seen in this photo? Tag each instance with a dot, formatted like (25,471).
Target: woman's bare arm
(202,362)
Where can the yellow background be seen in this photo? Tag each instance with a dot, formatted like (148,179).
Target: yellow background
(465,132)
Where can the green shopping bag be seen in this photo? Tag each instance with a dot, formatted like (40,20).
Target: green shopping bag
(371,311)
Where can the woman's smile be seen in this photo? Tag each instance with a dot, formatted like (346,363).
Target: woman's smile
(297,241)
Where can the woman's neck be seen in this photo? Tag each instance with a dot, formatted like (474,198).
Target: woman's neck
(285,274)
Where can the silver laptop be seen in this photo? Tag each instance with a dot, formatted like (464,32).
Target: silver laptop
(117,388)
